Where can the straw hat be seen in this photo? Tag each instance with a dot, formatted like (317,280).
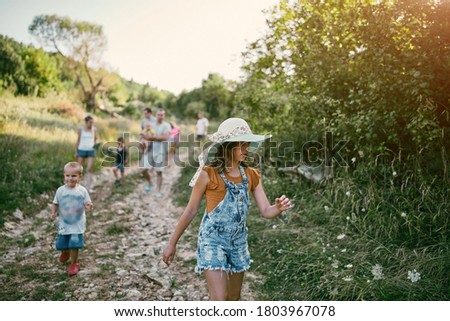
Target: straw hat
(230,130)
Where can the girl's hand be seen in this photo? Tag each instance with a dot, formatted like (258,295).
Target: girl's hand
(52,216)
(168,254)
(89,206)
(283,203)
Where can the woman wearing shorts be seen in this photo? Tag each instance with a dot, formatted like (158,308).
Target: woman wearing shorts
(87,137)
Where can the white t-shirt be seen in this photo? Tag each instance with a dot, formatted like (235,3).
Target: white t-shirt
(202,125)
(71,213)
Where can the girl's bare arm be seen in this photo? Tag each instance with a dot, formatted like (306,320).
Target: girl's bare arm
(267,210)
(188,215)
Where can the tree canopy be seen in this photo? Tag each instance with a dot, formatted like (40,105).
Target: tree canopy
(374,72)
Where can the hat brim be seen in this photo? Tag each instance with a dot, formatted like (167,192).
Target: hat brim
(251,138)
(254,141)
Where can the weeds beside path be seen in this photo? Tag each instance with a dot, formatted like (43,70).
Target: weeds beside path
(121,260)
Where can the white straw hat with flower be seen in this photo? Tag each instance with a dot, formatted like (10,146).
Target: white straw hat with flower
(230,130)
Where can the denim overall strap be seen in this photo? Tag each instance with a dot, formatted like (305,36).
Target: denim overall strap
(231,213)
(238,193)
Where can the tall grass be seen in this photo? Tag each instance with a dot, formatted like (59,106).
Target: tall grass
(356,239)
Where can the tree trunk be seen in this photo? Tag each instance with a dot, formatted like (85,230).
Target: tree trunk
(90,102)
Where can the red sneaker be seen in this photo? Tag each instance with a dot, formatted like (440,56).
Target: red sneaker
(64,257)
(74,268)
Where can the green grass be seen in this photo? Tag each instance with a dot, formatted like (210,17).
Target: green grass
(115,229)
(40,285)
(338,232)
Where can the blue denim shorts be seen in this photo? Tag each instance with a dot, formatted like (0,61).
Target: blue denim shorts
(120,167)
(69,242)
(223,249)
(85,153)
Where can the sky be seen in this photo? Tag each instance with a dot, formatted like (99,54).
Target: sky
(171,44)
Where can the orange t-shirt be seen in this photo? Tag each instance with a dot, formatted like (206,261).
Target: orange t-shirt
(216,190)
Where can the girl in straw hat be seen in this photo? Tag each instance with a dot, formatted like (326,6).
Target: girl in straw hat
(226,181)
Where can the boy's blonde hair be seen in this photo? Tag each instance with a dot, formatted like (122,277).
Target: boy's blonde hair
(74,165)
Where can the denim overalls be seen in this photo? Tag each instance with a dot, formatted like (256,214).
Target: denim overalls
(222,239)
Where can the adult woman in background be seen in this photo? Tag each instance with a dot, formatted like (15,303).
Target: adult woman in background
(84,149)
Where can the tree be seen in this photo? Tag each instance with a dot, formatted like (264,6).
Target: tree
(374,72)
(12,67)
(25,70)
(81,43)
(42,72)
(216,96)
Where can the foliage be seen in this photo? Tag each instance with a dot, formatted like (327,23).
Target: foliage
(214,97)
(25,70)
(361,69)
(193,108)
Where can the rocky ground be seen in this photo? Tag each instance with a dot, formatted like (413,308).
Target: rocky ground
(126,233)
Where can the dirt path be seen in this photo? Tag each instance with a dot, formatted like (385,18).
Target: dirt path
(121,261)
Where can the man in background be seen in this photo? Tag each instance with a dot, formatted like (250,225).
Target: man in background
(201,129)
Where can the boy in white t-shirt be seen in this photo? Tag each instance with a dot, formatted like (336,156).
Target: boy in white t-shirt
(69,204)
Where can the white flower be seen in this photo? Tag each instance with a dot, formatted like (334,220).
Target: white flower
(341,236)
(403,214)
(347,278)
(363,209)
(326,208)
(335,264)
(414,276)
(344,250)
(274,226)
(349,266)
(280,251)
(394,173)
(353,159)
(348,193)
(377,272)
(348,218)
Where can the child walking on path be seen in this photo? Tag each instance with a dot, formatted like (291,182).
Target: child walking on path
(120,162)
(222,242)
(69,204)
